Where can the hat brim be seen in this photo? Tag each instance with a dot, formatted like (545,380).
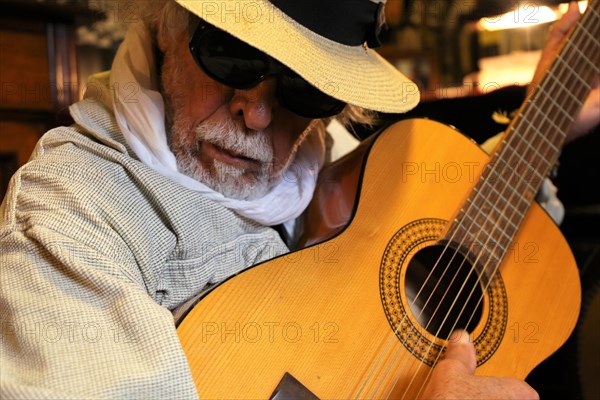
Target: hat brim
(354,74)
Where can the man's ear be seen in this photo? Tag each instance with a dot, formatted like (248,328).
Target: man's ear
(169,38)
(163,39)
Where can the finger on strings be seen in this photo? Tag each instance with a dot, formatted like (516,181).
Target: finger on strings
(460,348)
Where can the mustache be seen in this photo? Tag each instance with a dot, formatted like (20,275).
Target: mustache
(234,138)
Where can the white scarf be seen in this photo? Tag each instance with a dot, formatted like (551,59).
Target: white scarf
(140,115)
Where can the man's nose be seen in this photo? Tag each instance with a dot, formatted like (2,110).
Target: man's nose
(255,105)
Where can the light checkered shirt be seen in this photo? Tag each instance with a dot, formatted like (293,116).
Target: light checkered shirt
(95,250)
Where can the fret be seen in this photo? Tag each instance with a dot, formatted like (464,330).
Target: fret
(542,136)
(497,205)
(486,252)
(494,226)
(558,107)
(586,23)
(518,178)
(573,73)
(589,62)
(482,246)
(521,215)
(532,133)
(549,144)
(547,165)
(581,45)
(592,38)
(562,85)
(484,198)
(545,116)
(540,156)
(542,159)
(514,173)
(493,218)
(512,207)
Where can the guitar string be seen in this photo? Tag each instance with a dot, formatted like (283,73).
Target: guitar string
(416,297)
(466,302)
(498,264)
(509,221)
(394,335)
(402,320)
(399,353)
(585,88)
(461,267)
(532,124)
(435,312)
(443,273)
(467,323)
(391,338)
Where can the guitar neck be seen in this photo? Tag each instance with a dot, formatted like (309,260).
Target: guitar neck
(540,128)
(494,211)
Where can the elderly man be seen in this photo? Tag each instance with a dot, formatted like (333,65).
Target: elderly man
(207,132)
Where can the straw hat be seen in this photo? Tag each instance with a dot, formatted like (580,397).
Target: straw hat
(327,42)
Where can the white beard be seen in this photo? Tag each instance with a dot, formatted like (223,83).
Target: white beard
(227,179)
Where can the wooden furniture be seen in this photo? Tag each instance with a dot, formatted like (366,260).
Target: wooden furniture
(38,75)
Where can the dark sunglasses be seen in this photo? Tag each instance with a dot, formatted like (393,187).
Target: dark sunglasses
(236,64)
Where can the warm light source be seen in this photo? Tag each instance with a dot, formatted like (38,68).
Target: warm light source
(525,15)
(565,6)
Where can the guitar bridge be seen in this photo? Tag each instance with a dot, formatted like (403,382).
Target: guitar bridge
(290,388)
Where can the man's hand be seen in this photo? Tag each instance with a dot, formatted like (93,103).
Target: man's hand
(453,377)
(589,116)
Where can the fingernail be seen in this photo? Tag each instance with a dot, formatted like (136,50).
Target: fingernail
(460,336)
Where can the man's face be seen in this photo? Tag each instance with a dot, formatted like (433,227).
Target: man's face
(237,142)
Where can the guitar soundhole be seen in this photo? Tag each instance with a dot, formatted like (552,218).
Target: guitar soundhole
(443,291)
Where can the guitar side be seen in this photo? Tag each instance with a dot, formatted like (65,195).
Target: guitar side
(322,315)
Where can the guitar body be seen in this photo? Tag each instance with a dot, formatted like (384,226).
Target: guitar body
(337,315)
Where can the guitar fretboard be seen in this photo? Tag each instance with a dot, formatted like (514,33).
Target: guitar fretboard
(492,214)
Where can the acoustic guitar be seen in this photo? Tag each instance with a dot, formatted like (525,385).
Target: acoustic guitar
(425,234)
